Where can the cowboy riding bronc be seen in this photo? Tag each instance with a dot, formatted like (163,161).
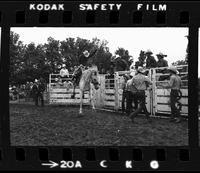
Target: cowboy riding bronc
(83,61)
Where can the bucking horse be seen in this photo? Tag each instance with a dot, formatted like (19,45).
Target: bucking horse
(87,81)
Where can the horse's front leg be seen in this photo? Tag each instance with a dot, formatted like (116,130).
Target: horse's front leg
(91,99)
(81,102)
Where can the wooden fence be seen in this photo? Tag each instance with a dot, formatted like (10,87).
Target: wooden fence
(59,94)
(109,95)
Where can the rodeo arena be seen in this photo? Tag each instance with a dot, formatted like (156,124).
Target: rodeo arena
(145,104)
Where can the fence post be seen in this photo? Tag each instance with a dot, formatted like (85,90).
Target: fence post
(49,92)
(102,91)
(99,93)
(154,94)
(116,91)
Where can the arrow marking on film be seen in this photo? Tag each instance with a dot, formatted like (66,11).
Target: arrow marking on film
(51,164)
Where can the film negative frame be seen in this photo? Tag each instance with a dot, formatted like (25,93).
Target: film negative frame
(178,14)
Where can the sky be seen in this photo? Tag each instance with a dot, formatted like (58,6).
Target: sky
(170,41)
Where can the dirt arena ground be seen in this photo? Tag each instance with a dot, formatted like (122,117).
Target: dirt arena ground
(61,126)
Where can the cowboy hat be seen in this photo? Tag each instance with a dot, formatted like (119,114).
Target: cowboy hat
(63,65)
(161,54)
(131,59)
(140,70)
(173,69)
(56,79)
(86,53)
(149,52)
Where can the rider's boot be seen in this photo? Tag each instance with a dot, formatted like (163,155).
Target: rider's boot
(72,96)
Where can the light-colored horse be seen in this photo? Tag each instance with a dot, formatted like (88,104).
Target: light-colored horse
(88,82)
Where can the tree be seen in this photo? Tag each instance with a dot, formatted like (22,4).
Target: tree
(124,54)
(16,57)
(53,54)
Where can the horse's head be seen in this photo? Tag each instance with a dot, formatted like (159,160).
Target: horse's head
(94,80)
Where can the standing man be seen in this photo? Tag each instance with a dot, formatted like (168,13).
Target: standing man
(124,93)
(27,91)
(130,97)
(141,82)
(41,89)
(150,60)
(38,90)
(175,94)
(161,61)
(35,91)
(141,59)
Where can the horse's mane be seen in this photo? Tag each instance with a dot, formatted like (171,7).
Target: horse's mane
(87,73)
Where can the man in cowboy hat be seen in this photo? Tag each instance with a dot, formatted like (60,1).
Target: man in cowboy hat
(64,72)
(34,91)
(130,96)
(161,61)
(140,82)
(141,59)
(150,60)
(85,56)
(175,86)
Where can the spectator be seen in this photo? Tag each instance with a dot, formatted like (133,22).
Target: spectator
(161,61)
(141,59)
(64,72)
(150,60)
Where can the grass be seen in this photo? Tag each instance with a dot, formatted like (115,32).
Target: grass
(62,126)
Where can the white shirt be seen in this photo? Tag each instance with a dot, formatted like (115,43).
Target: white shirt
(64,72)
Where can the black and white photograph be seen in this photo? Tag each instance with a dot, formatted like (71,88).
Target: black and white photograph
(98,86)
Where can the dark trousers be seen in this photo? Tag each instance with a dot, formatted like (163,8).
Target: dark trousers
(140,97)
(39,96)
(175,112)
(130,98)
(63,78)
(123,100)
